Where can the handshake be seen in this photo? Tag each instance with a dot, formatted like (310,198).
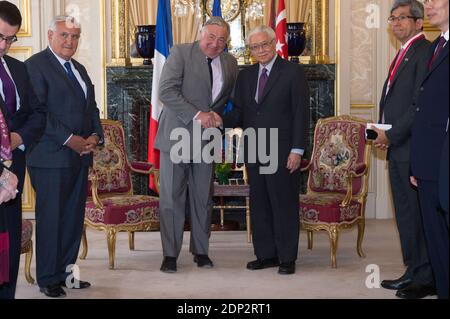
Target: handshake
(209,119)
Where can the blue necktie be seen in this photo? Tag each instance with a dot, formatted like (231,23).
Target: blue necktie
(9,90)
(73,78)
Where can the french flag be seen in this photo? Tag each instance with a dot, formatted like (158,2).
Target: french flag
(163,43)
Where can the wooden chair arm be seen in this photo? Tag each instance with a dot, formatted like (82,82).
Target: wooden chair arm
(358,171)
(95,197)
(305,165)
(147,169)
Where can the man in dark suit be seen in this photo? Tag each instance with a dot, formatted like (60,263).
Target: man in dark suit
(273,94)
(25,117)
(59,163)
(428,134)
(406,23)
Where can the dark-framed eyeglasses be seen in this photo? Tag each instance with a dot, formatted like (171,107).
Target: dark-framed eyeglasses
(9,40)
(392,19)
(265,46)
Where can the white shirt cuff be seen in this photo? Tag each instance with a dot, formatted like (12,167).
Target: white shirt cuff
(298,151)
(67,141)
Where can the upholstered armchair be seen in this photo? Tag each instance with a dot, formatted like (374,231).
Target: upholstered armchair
(237,186)
(111,206)
(27,248)
(337,181)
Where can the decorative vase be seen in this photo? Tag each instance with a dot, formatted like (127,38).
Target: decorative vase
(296,40)
(145,42)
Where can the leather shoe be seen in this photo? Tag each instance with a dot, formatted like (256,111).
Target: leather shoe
(53,291)
(203,261)
(169,265)
(397,284)
(287,268)
(263,263)
(416,291)
(78,284)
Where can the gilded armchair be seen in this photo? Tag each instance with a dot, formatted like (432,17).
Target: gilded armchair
(112,207)
(337,181)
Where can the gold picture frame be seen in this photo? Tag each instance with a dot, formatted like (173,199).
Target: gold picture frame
(20,53)
(25,9)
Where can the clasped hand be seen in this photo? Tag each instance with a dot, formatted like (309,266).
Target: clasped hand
(83,146)
(8,186)
(209,119)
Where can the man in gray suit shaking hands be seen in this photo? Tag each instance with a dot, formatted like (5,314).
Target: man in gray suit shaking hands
(196,83)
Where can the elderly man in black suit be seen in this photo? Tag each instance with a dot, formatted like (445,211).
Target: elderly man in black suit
(25,121)
(428,135)
(273,94)
(59,163)
(406,22)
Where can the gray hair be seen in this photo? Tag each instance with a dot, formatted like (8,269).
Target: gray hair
(219,21)
(416,7)
(72,21)
(262,28)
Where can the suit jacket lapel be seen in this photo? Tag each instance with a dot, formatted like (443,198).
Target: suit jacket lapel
(85,78)
(403,64)
(62,71)
(273,78)
(439,59)
(15,77)
(201,60)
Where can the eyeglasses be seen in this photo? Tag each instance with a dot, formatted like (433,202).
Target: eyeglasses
(265,46)
(427,1)
(9,40)
(73,37)
(392,19)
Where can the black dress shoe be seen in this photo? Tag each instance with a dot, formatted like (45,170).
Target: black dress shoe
(203,261)
(263,263)
(287,268)
(169,265)
(77,284)
(397,284)
(416,291)
(53,291)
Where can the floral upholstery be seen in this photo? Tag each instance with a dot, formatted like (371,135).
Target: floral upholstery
(111,206)
(110,163)
(27,231)
(27,248)
(338,146)
(326,208)
(337,181)
(129,210)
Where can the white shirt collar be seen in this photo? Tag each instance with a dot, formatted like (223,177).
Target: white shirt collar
(269,66)
(445,35)
(411,40)
(61,60)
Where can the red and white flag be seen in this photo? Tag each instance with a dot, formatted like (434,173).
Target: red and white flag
(281,31)
(163,43)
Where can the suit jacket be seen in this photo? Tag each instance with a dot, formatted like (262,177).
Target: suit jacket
(67,113)
(29,121)
(398,103)
(185,89)
(443,176)
(285,106)
(430,122)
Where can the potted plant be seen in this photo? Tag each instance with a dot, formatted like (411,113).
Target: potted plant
(223,171)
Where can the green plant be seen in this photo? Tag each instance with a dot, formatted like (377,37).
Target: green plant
(223,171)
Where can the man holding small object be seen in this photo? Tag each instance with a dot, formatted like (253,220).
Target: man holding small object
(396,109)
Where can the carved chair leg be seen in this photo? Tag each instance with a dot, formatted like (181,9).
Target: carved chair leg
(131,240)
(334,237)
(222,213)
(310,239)
(247,220)
(111,238)
(361,228)
(84,244)
(28,258)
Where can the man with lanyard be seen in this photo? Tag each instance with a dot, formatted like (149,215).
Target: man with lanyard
(406,22)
